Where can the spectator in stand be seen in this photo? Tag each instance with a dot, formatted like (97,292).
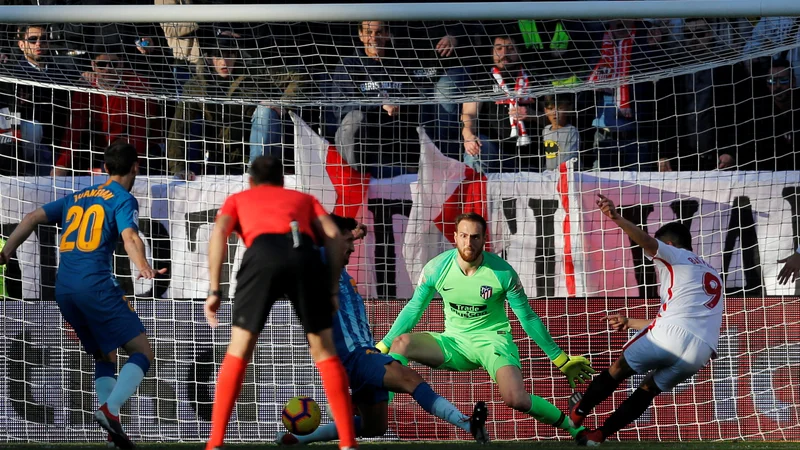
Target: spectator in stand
(660,53)
(496,134)
(181,37)
(619,115)
(183,41)
(774,32)
(212,137)
(100,119)
(269,131)
(776,128)
(553,49)
(43,111)
(436,57)
(377,138)
(709,102)
(561,140)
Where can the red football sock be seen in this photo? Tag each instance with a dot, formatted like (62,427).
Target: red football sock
(337,389)
(229,384)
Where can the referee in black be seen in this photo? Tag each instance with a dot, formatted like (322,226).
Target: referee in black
(282,230)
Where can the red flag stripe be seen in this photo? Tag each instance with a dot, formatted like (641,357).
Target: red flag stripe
(569,265)
(469,196)
(351,186)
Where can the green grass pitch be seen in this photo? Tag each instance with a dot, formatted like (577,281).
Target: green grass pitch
(729,445)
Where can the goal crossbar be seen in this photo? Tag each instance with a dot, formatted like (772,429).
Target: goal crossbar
(334,12)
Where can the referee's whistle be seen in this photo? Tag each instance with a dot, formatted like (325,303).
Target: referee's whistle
(295,233)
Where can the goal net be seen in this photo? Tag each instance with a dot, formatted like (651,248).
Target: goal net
(404,125)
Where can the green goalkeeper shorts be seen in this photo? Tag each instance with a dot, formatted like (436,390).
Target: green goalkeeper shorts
(490,350)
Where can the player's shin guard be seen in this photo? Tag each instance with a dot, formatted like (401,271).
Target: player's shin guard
(229,384)
(337,389)
(130,377)
(105,378)
(630,410)
(601,387)
(548,413)
(439,406)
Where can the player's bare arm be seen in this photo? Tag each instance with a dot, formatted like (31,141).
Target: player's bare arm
(21,233)
(639,236)
(217,247)
(136,252)
(618,322)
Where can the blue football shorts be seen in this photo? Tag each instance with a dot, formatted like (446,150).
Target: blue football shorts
(366,368)
(102,319)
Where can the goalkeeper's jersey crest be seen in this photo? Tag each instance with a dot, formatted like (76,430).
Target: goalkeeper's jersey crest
(476,302)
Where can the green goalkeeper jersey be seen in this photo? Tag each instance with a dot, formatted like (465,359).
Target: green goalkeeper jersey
(473,303)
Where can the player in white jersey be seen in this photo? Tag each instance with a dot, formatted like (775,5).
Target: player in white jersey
(673,346)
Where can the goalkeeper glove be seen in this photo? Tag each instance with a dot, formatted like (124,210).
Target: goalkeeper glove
(382,347)
(576,368)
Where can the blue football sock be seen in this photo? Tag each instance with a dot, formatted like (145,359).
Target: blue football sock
(105,378)
(128,381)
(437,405)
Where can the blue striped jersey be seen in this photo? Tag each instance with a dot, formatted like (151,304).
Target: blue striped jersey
(350,326)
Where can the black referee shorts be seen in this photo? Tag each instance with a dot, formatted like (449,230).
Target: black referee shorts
(273,268)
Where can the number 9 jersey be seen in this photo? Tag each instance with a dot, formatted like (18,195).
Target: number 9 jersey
(691,293)
(91,221)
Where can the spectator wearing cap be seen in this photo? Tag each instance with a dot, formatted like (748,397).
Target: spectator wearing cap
(99,119)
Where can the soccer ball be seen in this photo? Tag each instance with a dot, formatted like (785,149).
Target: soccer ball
(301,415)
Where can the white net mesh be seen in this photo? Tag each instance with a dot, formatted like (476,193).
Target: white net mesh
(405,125)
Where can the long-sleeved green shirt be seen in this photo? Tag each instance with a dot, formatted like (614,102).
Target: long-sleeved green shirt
(473,304)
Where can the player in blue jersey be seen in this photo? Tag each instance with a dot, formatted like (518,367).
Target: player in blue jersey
(88,295)
(372,374)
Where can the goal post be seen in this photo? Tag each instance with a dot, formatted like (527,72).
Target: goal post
(344,12)
(403,116)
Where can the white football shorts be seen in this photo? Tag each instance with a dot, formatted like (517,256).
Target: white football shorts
(671,352)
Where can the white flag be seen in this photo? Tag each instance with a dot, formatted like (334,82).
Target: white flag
(310,151)
(439,176)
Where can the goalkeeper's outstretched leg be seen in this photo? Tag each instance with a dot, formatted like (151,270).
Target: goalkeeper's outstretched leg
(492,351)
(515,396)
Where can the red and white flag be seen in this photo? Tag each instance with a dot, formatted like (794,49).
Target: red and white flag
(321,171)
(444,189)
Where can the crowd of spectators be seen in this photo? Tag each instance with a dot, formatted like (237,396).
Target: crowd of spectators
(206,99)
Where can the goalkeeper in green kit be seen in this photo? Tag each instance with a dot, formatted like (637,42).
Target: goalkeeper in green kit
(477,333)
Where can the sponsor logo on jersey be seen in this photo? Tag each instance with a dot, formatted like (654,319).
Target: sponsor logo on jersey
(486,292)
(468,311)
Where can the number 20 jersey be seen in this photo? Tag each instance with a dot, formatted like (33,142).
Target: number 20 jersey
(691,293)
(91,221)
